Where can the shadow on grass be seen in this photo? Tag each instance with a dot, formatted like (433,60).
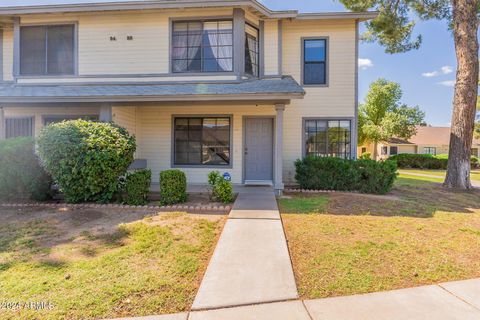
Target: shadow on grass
(409,198)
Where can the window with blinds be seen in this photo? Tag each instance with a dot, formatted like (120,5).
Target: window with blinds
(19,127)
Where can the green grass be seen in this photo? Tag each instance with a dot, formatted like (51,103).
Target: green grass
(475,174)
(142,268)
(420,178)
(420,234)
(304,204)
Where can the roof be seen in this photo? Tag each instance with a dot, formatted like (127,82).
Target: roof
(173,4)
(398,141)
(431,136)
(282,88)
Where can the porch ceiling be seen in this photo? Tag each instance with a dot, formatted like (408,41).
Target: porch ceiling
(268,89)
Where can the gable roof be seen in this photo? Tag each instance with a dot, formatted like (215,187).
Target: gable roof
(431,136)
(281,88)
(173,4)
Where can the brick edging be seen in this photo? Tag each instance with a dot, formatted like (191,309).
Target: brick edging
(316,191)
(208,208)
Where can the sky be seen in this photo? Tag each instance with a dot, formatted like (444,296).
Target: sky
(426,75)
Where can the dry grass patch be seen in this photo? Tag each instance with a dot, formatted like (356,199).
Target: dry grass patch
(103,263)
(420,234)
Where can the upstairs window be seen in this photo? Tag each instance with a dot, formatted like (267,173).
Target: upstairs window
(315,61)
(251,50)
(202,46)
(47,50)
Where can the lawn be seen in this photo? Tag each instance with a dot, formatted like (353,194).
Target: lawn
(87,264)
(418,234)
(474,175)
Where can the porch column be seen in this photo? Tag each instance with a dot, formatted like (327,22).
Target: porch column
(105,113)
(278,184)
(2,124)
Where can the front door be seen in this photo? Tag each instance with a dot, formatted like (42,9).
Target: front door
(258,149)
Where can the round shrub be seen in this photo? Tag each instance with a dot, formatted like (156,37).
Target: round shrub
(135,187)
(86,158)
(173,187)
(21,175)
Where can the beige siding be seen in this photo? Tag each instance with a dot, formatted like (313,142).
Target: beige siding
(335,100)
(8,54)
(156,133)
(271,47)
(440,149)
(148,52)
(40,112)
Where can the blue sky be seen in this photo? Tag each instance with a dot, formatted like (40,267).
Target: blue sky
(426,75)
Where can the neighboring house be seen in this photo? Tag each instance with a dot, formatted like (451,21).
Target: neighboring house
(203,85)
(427,140)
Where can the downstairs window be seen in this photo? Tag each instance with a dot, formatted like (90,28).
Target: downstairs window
(328,138)
(202,141)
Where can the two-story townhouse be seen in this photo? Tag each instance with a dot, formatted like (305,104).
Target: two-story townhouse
(226,85)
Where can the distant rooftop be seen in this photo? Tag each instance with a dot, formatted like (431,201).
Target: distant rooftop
(429,136)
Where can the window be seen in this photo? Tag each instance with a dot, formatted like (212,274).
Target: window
(364,150)
(18,127)
(315,61)
(56,119)
(202,141)
(251,50)
(47,50)
(202,46)
(430,150)
(393,151)
(328,138)
(474,152)
(384,151)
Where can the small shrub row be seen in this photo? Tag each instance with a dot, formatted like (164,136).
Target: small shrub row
(331,173)
(21,175)
(135,187)
(220,189)
(419,161)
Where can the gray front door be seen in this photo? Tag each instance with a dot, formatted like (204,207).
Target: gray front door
(258,149)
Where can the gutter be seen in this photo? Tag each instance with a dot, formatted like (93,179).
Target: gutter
(181,4)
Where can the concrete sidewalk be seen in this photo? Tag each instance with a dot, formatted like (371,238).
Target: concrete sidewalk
(251,263)
(458,300)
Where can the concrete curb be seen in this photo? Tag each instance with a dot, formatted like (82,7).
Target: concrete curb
(200,209)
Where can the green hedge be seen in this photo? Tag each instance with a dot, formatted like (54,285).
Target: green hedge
(419,161)
(21,175)
(330,173)
(173,187)
(136,187)
(86,158)
(221,189)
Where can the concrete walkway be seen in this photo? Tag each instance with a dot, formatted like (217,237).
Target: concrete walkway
(476,184)
(458,300)
(251,263)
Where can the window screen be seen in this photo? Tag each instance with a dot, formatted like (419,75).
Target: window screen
(18,127)
(202,141)
(328,138)
(315,61)
(251,50)
(47,50)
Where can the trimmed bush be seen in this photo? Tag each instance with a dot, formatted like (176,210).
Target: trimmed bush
(136,187)
(420,161)
(21,175)
(325,173)
(330,173)
(173,187)
(221,189)
(375,177)
(86,158)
